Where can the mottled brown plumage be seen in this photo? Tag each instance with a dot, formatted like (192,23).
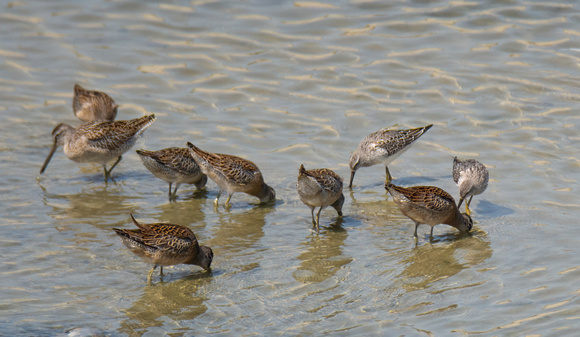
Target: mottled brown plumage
(163,244)
(429,205)
(382,147)
(173,165)
(232,174)
(98,142)
(320,188)
(90,106)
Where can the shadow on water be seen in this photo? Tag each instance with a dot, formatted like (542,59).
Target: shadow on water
(322,254)
(179,300)
(489,210)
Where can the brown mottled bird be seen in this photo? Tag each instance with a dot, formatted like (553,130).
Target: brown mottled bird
(173,165)
(232,174)
(320,188)
(472,178)
(90,106)
(429,205)
(98,142)
(382,147)
(165,245)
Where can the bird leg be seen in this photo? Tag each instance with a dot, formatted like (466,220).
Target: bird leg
(431,235)
(416,226)
(312,212)
(108,172)
(217,198)
(228,199)
(467,211)
(150,274)
(174,196)
(318,219)
(170,191)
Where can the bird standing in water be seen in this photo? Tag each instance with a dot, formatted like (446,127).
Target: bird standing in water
(232,174)
(165,245)
(320,188)
(429,205)
(472,177)
(382,147)
(173,165)
(98,142)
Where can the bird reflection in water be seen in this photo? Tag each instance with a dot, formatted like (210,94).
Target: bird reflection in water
(180,300)
(430,265)
(322,255)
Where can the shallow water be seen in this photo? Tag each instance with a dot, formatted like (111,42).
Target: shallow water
(284,84)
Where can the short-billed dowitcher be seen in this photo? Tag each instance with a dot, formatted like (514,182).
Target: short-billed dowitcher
(472,177)
(164,244)
(232,174)
(429,205)
(320,188)
(173,165)
(382,147)
(98,142)
(90,106)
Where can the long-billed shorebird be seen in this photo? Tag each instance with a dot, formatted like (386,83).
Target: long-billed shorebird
(90,106)
(232,174)
(472,177)
(163,244)
(429,205)
(382,147)
(173,165)
(98,142)
(320,188)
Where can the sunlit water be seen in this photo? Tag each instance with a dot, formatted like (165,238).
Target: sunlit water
(284,84)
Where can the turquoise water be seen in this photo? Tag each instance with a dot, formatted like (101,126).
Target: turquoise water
(284,84)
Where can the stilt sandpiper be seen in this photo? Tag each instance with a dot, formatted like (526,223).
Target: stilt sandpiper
(382,147)
(472,177)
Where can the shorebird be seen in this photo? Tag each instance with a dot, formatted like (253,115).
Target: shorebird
(173,165)
(472,177)
(98,142)
(232,174)
(429,205)
(320,188)
(382,147)
(90,106)
(164,244)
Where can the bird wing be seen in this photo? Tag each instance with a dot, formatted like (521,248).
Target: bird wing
(431,197)
(113,135)
(326,178)
(169,238)
(176,159)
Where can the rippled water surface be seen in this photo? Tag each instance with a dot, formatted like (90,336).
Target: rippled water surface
(287,83)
